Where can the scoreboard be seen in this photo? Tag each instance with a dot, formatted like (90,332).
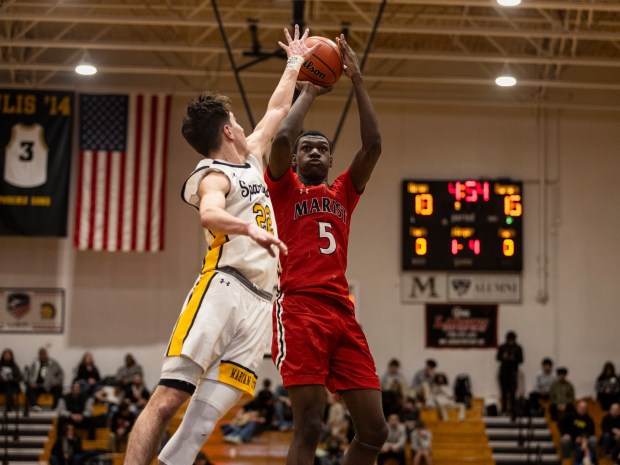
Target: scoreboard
(462,225)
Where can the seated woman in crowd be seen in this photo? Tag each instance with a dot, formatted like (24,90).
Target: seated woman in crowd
(10,377)
(87,374)
(608,386)
(125,373)
(421,443)
(67,449)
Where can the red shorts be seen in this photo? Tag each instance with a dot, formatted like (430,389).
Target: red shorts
(317,340)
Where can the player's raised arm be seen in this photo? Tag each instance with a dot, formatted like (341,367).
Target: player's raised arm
(366,158)
(280,101)
(214,217)
(280,157)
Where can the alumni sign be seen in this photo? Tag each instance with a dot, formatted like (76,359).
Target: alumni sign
(460,287)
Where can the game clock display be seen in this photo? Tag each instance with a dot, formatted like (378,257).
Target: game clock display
(462,225)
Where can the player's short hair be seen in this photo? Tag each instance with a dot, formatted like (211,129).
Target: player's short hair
(547,361)
(311,132)
(562,371)
(204,120)
(431,363)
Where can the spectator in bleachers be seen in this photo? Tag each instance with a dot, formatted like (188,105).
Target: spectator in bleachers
(120,426)
(394,447)
(67,450)
(137,394)
(336,422)
(409,415)
(573,427)
(607,386)
(561,395)
(125,373)
(76,408)
(509,356)
(87,374)
(10,377)
(265,400)
(544,381)
(44,376)
(283,410)
(610,427)
(441,398)
(393,385)
(332,453)
(244,426)
(422,380)
(421,444)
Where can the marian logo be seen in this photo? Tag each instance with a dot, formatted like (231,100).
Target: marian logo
(461,286)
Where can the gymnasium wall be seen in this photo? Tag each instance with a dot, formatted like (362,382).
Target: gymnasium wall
(118,302)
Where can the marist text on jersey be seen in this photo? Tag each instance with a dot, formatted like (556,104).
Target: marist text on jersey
(320,204)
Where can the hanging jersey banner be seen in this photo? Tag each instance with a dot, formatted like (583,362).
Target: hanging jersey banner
(35,161)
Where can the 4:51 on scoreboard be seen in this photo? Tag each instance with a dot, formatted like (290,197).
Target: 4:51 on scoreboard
(462,224)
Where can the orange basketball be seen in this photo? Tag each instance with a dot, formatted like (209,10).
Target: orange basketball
(324,67)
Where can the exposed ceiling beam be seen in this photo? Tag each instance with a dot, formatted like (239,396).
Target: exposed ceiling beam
(385,29)
(274,76)
(596,5)
(375,54)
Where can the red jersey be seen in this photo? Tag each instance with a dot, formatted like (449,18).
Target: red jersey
(314,223)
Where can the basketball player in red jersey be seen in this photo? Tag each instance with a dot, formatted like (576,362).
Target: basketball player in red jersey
(317,342)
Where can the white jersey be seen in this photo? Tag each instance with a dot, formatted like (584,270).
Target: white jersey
(249,201)
(25,159)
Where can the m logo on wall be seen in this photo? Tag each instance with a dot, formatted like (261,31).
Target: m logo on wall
(35,156)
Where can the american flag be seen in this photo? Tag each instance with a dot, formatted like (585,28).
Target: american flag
(122,167)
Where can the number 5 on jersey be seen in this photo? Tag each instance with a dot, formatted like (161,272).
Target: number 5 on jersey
(325,232)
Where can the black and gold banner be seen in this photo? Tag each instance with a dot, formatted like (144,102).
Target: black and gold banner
(35,156)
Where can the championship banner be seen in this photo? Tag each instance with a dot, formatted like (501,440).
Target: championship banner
(461,326)
(35,162)
(31,310)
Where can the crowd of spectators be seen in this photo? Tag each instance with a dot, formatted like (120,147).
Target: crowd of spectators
(124,395)
(121,398)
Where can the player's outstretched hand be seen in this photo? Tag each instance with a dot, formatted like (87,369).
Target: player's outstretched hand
(266,240)
(307,86)
(350,62)
(297,46)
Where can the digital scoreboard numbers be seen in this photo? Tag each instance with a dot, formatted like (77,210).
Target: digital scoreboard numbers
(462,225)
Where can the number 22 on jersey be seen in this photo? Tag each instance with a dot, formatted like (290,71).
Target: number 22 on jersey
(263,217)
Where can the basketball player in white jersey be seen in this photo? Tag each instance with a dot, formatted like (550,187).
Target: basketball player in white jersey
(221,333)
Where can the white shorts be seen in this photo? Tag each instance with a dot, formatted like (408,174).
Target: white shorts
(223,327)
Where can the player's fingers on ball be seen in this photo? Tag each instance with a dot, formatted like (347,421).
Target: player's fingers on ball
(315,47)
(306,34)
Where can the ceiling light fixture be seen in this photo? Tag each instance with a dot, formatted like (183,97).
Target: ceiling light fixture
(508,2)
(85,67)
(505,78)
